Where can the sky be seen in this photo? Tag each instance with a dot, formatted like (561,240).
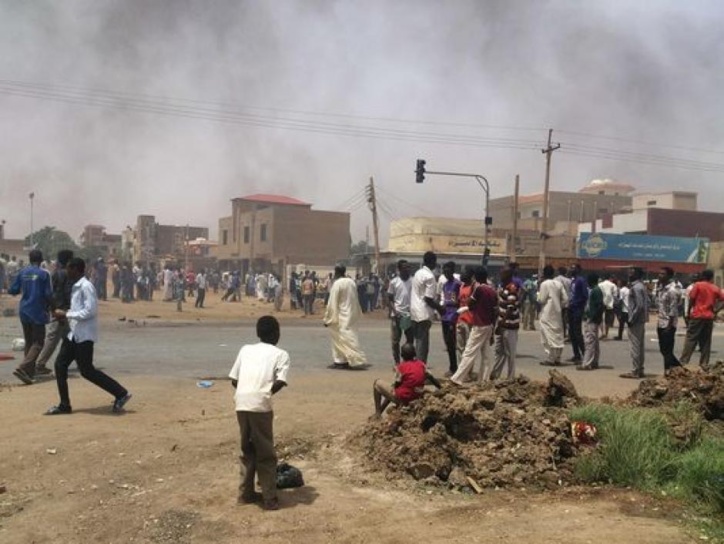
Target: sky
(111,109)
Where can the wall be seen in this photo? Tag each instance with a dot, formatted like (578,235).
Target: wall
(686,223)
(673,200)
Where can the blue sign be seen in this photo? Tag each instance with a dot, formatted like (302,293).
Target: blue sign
(640,247)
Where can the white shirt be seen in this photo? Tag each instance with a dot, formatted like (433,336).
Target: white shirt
(83,313)
(400,289)
(623,293)
(201,280)
(423,285)
(256,368)
(610,292)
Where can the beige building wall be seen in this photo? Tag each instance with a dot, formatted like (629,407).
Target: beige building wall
(269,236)
(446,235)
(672,200)
(563,206)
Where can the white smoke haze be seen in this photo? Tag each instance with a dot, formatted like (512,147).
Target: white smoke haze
(632,71)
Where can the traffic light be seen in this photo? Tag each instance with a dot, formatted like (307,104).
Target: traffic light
(420,171)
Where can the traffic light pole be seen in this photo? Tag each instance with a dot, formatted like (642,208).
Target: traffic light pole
(485,186)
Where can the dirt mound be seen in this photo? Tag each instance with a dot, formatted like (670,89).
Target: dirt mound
(704,389)
(510,433)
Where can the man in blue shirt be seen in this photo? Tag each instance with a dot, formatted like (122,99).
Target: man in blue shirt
(37,293)
(576,307)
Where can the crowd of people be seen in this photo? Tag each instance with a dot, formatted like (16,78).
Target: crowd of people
(480,322)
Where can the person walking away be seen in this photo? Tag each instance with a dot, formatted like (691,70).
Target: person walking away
(423,305)
(34,284)
(278,294)
(293,292)
(100,278)
(552,298)
(593,317)
(200,281)
(610,294)
(687,298)
(667,305)
(308,294)
(340,317)
(411,375)
(705,299)
(57,329)
(483,303)
(579,296)
(638,315)
(260,371)
(506,338)
(400,320)
(465,316)
(623,294)
(566,282)
(78,345)
(530,303)
(449,304)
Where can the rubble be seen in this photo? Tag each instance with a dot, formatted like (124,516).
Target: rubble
(704,389)
(503,434)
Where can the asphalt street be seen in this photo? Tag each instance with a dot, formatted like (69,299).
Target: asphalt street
(204,350)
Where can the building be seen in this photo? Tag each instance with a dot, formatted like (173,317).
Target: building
(267,232)
(151,242)
(463,241)
(95,237)
(661,229)
(597,199)
(12,247)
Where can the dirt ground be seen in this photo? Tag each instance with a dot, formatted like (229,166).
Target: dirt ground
(166,471)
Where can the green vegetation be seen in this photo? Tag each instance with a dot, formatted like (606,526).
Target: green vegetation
(665,450)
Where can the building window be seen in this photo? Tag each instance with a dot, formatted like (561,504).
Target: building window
(651,203)
(536,213)
(246,235)
(225,237)
(601,192)
(262,233)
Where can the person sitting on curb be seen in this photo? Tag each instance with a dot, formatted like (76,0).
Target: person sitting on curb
(409,382)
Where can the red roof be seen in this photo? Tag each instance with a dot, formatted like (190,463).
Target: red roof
(275,199)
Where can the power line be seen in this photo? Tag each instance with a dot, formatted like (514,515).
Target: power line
(76,89)
(148,105)
(232,114)
(640,142)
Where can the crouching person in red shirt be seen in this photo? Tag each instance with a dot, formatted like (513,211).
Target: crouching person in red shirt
(409,382)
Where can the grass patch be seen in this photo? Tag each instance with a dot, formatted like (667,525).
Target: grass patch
(655,450)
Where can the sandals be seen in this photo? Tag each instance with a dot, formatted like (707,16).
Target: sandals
(632,375)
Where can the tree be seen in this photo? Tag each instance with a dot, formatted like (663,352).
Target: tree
(360,248)
(360,253)
(49,240)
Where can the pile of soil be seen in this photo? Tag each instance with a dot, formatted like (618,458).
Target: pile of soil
(505,434)
(703,389)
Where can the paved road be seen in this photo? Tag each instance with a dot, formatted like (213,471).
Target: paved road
(207,350)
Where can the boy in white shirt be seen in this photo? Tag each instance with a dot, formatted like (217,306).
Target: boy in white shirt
(260,371)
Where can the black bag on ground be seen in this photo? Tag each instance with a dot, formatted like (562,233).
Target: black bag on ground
(288,476)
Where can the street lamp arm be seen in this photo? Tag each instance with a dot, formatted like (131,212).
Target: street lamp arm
(485,186)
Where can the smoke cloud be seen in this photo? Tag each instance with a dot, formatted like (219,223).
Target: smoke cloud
(419,78)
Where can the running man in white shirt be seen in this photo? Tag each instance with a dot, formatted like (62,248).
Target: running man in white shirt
(78,345)
(260,371)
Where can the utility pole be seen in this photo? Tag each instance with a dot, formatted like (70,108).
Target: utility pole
(512,250)
(32,197)
(372,202)
(548,151)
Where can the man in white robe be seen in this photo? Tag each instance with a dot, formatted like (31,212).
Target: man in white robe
(552,297)
(341,315)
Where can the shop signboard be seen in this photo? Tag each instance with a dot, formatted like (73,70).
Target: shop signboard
(640,247)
